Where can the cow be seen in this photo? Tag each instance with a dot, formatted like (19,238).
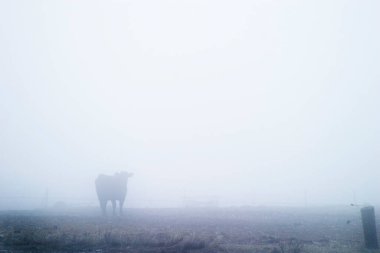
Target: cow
(113,188)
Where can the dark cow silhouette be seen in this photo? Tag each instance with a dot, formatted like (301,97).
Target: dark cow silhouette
(113,188)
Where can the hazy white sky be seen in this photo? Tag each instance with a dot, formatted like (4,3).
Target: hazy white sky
(250,102)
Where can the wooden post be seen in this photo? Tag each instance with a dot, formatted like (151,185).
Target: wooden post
(369,227)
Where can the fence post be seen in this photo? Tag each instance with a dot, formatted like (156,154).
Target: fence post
(369,227)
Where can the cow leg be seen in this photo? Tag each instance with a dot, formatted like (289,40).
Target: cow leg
(113,207)
(103,206)
(121,203)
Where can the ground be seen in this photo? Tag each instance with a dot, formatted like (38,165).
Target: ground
(243,229)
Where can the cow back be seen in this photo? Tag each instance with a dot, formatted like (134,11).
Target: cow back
(111,187)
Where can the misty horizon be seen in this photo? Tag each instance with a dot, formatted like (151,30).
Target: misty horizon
(234,103)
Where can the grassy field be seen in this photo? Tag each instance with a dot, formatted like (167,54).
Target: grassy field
(249,229)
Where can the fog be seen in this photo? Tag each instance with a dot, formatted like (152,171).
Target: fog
(236,102)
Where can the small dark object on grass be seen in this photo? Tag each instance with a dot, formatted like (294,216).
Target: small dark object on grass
(275,250)
(291,246)
(193,244)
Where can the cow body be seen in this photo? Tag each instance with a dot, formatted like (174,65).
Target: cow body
(112,188)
